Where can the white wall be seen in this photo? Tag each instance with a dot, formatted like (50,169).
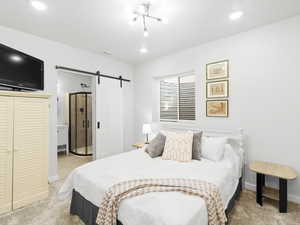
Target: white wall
(264,98)
(69,83)
(54,53)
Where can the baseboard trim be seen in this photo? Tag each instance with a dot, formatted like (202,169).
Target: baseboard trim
(292,198)
(53,179)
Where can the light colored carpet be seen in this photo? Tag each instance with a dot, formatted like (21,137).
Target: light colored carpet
(54,212)
(67,163)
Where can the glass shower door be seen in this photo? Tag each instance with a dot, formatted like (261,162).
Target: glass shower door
(80,115)
(81,136)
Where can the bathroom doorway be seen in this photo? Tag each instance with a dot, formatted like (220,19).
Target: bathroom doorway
(75,116)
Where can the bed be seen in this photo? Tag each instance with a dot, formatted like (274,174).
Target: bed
(88,183)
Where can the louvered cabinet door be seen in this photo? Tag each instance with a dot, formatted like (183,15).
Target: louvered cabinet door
(6,145)
(30,174)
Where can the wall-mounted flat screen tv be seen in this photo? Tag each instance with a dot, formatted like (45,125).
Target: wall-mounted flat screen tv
(19,70)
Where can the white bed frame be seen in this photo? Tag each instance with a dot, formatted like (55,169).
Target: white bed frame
(236,135)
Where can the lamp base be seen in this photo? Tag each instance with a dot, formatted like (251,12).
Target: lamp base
(147,139)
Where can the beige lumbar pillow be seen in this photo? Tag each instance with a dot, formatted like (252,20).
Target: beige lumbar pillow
(178,146)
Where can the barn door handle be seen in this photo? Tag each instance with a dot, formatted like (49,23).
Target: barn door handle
(83,123)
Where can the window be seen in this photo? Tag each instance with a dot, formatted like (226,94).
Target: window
(177,98)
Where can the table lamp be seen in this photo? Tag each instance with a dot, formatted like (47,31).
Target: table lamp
(147,131)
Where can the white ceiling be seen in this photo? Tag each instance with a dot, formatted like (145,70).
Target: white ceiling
(102,25)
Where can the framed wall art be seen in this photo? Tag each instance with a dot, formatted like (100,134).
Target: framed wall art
(217,108)
(217,89)
(217,70)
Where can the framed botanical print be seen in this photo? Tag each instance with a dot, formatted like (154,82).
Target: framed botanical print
(217,89)
(217,108)
(217,70)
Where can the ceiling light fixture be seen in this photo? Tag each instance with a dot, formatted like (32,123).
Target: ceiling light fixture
(236,15)
(143,50)
(143,12)
(38,5)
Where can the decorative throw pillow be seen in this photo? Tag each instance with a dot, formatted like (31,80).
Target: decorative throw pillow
(213,147)
(197,146)
(178,146)
(156,146)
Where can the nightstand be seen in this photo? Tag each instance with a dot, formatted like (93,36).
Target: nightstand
(139,145)
(284,173)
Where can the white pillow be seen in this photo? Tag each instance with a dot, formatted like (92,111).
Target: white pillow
(213,148)
(231,159)
(178,146)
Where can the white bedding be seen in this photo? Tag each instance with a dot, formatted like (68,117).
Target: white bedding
(93,179)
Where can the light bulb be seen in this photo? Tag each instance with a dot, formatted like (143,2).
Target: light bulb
(133,20)
(146,33)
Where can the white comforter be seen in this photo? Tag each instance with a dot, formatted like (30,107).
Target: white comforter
(93,179)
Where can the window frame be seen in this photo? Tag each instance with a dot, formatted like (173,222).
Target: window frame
(178,76)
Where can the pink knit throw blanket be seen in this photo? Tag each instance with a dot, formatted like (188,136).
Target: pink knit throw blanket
(108,210)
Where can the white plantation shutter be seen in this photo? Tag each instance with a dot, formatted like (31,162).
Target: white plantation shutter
(169,99)
(187,98)
(177,98)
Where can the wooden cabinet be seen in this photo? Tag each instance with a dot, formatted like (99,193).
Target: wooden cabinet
(23,149)
(6,153)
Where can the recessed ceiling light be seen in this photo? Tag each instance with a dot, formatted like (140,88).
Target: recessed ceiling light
(15,58)
(38,5)
(236,15)
(143,50)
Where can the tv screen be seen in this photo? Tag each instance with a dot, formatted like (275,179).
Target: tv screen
(19,70)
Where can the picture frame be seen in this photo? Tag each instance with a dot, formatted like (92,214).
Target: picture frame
(217,89)
(217,70)
(217,108)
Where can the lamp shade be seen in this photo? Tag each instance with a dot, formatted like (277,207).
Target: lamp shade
(146,128)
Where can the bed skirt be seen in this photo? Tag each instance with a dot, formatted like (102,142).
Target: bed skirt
(88,212)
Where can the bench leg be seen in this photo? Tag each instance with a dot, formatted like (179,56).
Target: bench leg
(259,187)
(282,195)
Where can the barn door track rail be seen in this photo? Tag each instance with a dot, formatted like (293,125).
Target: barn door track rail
(97,74)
